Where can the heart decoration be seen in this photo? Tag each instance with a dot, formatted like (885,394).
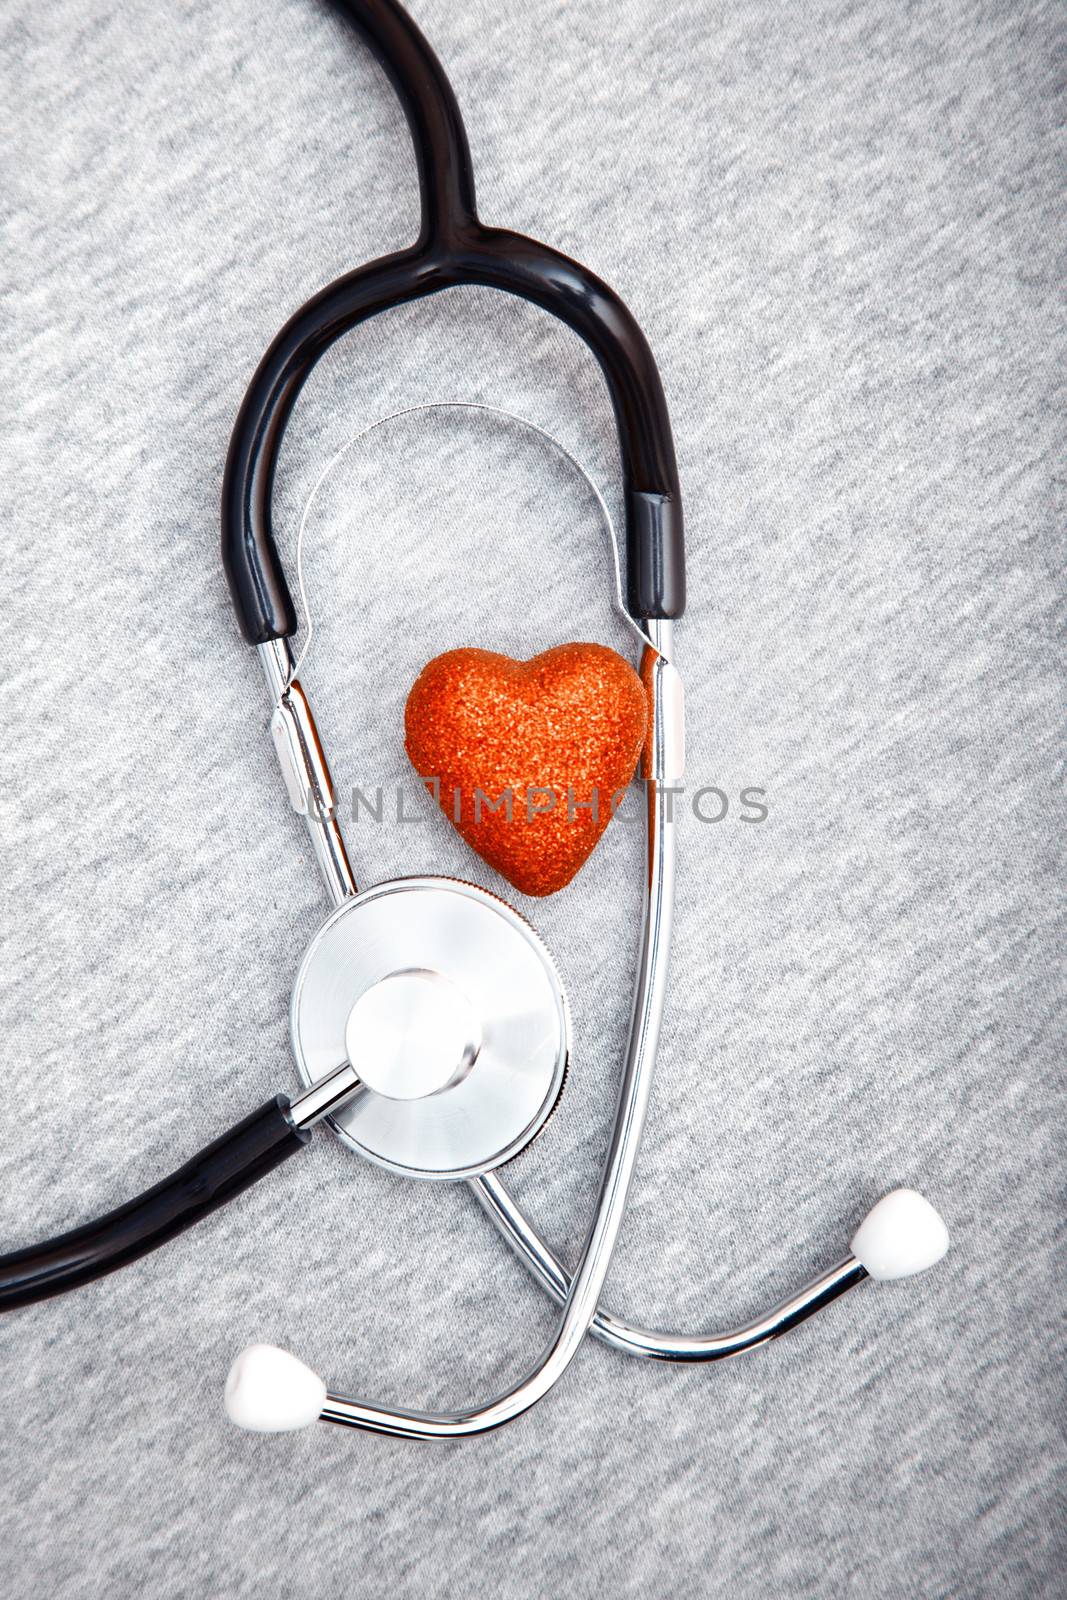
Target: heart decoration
(528,759)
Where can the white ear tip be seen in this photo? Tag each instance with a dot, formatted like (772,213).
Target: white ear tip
(270,1391)
(903,1234)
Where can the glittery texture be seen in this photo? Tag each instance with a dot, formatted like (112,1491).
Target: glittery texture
(527,757)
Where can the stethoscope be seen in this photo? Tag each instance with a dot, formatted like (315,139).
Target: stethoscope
(429,1024)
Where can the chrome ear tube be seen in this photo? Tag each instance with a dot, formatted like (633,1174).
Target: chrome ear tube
(265,1388)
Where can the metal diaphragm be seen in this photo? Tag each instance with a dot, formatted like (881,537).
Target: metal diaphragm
(465,965)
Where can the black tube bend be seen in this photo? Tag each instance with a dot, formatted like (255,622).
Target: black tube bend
(453,248)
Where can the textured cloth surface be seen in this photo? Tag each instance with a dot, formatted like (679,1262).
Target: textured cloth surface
(839,224)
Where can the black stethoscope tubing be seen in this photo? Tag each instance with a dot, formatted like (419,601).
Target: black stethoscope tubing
(453,248)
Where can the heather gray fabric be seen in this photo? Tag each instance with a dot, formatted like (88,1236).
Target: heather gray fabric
(839,224)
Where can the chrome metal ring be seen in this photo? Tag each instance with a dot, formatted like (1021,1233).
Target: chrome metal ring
(496,1102)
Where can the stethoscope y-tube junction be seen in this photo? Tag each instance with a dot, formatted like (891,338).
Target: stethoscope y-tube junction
(453,248)
(267,1388)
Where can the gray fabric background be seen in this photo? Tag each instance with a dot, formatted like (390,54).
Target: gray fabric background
(839,224)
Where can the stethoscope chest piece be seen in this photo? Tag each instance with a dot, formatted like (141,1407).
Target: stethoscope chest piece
(451,1012)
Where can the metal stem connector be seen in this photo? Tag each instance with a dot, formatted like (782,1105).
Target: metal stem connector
(305,769)
(329,1094)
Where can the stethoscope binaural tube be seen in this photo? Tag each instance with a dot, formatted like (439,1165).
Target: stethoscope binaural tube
(263,1380)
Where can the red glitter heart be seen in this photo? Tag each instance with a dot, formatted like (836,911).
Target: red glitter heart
(560,734)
